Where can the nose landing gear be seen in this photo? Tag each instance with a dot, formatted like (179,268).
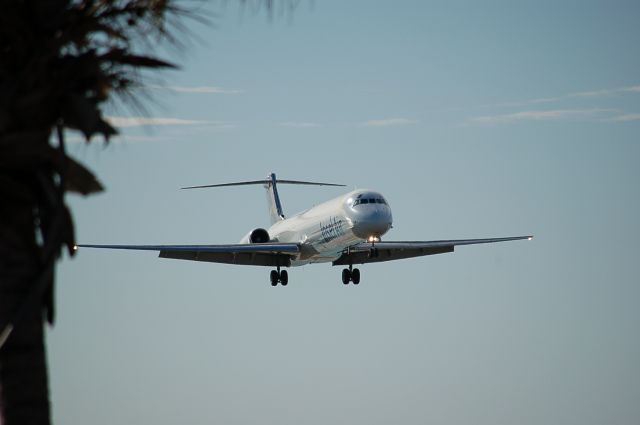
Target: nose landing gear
(279,276)
(350,275)
(373,252)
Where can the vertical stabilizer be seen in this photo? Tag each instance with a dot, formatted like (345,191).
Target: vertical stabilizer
(275,207)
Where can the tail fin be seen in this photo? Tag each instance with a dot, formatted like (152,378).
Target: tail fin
(270,183)
(275,207)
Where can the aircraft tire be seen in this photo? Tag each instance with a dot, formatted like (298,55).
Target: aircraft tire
(346,276)
(274,277)
(355,276)
(284,278)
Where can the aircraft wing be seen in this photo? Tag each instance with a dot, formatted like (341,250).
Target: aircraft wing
(388,251)
(255,254)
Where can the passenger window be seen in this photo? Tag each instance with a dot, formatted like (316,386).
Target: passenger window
(372,201)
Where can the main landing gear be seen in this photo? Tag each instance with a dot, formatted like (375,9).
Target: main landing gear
(282,277)
(351,275)
(279,276)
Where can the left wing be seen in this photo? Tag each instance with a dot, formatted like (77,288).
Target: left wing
(387,251)
(255,254)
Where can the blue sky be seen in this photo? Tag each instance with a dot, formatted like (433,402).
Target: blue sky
(474,120)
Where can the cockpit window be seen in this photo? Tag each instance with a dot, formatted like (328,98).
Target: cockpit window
(360,200)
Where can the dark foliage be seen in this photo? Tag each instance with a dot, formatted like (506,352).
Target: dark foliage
(60,60)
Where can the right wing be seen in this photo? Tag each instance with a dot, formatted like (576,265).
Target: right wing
(388,251)
(254,254)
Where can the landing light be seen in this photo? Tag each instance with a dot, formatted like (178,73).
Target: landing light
(530,238)
(373,239)
(75,247)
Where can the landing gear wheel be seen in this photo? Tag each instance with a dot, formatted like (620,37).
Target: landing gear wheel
(355,276)
(346,276)
(284,277)
(274,277)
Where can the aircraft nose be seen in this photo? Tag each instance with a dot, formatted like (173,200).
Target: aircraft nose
(375,221)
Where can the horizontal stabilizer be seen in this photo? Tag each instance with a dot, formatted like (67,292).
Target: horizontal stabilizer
(270,183)
(264,182)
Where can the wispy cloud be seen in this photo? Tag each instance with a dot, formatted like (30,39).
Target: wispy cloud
(388,122)
(626,117)
(547,115)
(196,89)
(631,89)
(123,122)
(294,124)
(575,95)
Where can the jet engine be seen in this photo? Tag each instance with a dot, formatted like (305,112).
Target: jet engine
(258,235)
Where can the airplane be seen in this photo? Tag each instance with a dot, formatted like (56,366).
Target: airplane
(346,230)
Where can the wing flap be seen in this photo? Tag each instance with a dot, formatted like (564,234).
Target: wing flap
(240,258)
(388,254)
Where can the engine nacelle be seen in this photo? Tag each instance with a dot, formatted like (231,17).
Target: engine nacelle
(258,235)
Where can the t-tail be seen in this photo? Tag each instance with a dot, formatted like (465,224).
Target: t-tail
(271,184)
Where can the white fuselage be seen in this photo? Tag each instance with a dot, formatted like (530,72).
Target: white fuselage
(325,231)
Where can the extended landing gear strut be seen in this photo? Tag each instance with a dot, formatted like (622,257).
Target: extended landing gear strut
(373,251)
(350,275)
(279,276)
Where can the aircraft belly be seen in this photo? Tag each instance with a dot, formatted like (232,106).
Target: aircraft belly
(319,250)
(314,253)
